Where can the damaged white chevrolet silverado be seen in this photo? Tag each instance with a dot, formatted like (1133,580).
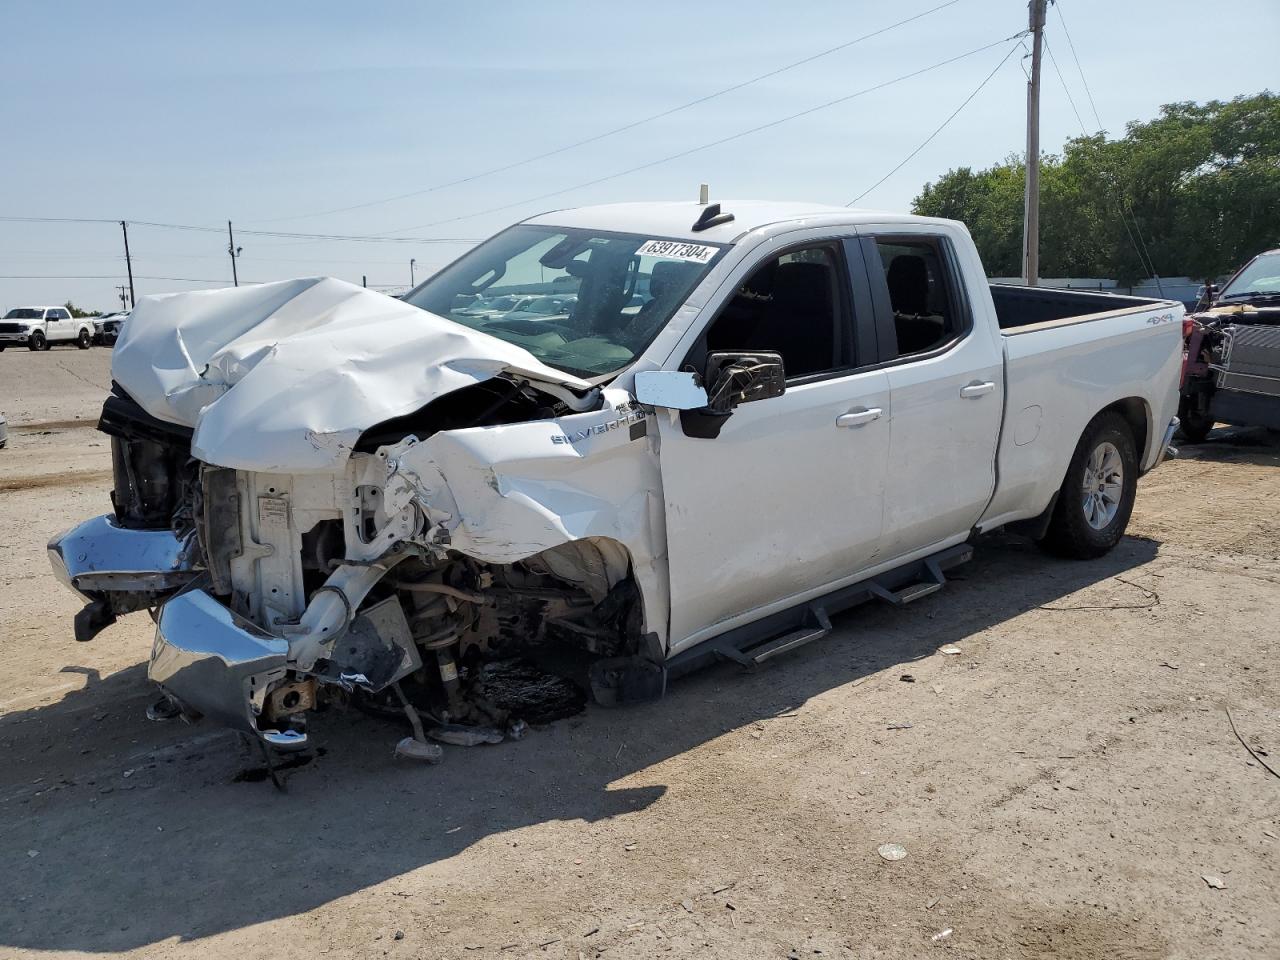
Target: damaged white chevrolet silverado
(742,421)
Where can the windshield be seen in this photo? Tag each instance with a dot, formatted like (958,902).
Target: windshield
(581,284)
(546,305)
(1261,276)
(24,313)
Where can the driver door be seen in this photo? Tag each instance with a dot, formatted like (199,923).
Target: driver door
(788,499)
(62,326)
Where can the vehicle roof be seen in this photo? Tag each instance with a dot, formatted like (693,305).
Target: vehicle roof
(37,306)
(676,218)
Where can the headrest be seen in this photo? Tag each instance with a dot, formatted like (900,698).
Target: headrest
(908,280)
(800,285)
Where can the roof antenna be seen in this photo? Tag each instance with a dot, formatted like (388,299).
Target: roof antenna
(704,194)
(711,217)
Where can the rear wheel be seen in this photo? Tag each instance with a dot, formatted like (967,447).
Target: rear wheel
(36,341)
(84,340)
(1097,493)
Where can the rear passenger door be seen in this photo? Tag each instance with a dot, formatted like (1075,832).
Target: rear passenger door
(946,379)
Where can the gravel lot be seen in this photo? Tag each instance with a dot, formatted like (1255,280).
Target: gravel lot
(1062,786)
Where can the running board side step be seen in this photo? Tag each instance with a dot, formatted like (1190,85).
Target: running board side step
(752,644)
(758,654)
(932,580)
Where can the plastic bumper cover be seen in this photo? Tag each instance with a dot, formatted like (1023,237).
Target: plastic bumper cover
(219,664)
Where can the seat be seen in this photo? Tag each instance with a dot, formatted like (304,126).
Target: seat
(799,321)
(736,327)
(908,281)
(666,281)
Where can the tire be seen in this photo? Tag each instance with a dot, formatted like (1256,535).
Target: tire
(1097,494)
(1194,427)
(84,341)
(37,342)
(2,346)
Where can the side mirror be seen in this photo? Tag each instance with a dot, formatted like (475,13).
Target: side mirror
(733,378)
(673,389)
(736,378)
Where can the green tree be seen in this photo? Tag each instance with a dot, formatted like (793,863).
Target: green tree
(78,313)
(1195,191)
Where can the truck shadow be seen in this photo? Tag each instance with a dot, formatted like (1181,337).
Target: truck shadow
(138,833)
(1251,445)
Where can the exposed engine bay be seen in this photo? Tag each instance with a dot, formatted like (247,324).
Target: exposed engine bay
(368,575)
(403,617)
(1233,369)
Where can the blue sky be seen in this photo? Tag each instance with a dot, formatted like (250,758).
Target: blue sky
(264,112)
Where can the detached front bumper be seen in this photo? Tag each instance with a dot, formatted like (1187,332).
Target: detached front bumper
(98,557)
(118,570)
(212,661)
(219,665)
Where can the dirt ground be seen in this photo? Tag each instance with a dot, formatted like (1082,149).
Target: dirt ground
(1061,786)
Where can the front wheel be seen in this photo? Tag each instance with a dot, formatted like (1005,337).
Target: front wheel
(36,341)
(84,340)
(1097,493)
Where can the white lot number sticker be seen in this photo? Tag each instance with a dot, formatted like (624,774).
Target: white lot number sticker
(677,250)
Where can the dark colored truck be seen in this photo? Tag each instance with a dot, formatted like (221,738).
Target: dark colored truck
(1232,370)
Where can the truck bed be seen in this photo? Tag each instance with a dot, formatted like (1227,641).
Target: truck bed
(1018,306)
(1068,355)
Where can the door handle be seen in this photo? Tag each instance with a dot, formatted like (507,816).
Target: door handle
(856,418)
(976,389)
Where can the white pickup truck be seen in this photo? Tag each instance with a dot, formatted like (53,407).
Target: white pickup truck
(752,417)
(38,328)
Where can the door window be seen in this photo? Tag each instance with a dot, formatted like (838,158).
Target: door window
(792,305)
(925,308)
(59,315)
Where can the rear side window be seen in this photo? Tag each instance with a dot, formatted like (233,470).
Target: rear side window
(791,305)
(926,312)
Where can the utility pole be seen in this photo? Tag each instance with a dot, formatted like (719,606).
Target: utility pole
(128,262)
(234,251)
(1031,201)
(411,263)
(124,296)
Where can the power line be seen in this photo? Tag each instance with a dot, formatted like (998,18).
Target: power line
(905,160)
(256,258)
(1070,99)
(1089,93)
(720,141)
(616,130)
(256,233)
(1139,244)
(112,276)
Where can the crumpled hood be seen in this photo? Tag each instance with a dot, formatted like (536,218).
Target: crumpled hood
(284,377)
